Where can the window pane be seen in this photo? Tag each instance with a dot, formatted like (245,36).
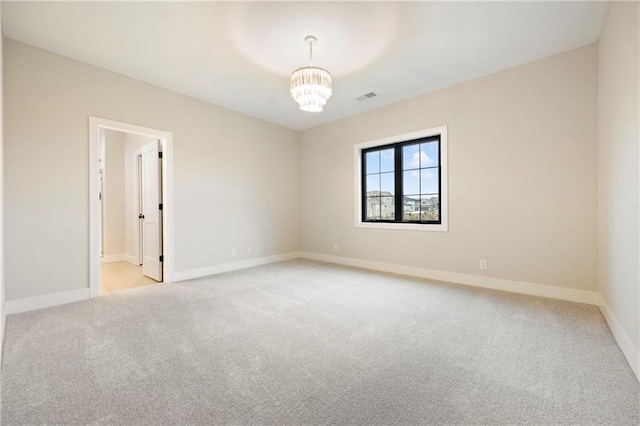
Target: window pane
(429,181)
(386,160)
(387,184)
(410,157)
(429,154)
(414,167)
(411,207)
(373,184)
(430,207)
(387,208)
(411,182)
(373,208)
(373,162)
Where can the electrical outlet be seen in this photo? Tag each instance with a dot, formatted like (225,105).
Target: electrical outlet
(249,250)
(484,264)
(233,252)
(335,247)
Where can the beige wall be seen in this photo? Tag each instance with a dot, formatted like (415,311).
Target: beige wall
(618,138)
(114,194)
(235,177)
(522,181)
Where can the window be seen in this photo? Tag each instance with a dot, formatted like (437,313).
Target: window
(401,181)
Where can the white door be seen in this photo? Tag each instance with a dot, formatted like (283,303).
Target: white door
(151,211)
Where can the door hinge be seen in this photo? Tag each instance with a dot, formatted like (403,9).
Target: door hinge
(159,154)
(160,206)
(161,258)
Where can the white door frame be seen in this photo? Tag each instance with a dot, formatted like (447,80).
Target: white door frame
(166,140)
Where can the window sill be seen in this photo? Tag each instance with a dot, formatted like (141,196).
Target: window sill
(403,226)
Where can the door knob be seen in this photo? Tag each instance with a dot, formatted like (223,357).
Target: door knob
(140,216)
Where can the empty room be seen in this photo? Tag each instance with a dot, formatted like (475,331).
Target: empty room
(350,213)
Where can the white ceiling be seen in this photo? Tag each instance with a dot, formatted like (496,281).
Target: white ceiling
(240,55)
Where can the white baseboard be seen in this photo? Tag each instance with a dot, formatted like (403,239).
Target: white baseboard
(131,259)
(113,258)
(119,258)
(580,296)
(622,338)
(233,266)
(39,302)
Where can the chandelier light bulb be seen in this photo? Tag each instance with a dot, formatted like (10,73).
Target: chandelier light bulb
(311,86)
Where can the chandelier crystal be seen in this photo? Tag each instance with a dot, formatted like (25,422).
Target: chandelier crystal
(311,86)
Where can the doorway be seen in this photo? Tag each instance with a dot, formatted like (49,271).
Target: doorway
(130,206)
(131,197)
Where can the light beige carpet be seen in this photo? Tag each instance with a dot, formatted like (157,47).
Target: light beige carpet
(302,342)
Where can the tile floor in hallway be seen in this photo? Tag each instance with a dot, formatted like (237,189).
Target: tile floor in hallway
(116,276)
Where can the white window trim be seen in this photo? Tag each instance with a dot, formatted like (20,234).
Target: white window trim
(444,181)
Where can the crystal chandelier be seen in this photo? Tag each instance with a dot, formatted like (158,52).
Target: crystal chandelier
(311,86)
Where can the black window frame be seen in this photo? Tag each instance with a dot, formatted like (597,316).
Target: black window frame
(398,181)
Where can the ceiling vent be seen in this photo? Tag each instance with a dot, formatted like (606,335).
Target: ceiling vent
(367,96)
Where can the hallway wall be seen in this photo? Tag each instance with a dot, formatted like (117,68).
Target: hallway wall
(114,195)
